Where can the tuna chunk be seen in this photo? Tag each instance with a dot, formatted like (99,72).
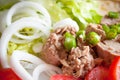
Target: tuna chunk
(54,49)
(117,38)
(107,50)
(110,21)
(96,28)
(79,62)
(50,53)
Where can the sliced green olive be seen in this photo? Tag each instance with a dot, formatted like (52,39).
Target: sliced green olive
(113,14)
(81,34)
(67,34)
(117,27)
(111,34)
(93,38)
(105,28)
(70,41)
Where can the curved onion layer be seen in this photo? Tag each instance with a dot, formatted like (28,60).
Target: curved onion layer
(36,34)
(26,12)
(15,59)
(66,22)
(19,41)
(31,5)
(44,67)
(8,33)
(2,20)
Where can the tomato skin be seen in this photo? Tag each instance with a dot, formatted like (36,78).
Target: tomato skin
(8,74)
(63,77)
(98,73)
(115,69)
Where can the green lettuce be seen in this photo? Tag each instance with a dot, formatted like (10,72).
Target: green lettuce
(56,13)
(28,47)
(82,11)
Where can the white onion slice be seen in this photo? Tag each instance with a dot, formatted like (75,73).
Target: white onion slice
(3,20)
(44,68)
(66,22)
(36,34)
(26,12)
(7,34)
(18,41)
(31,5)
(16,57)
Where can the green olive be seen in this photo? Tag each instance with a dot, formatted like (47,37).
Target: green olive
(92,38)
(113,14)
(81,34)
(67,34)
(117,27)
(105,28)
(70,41)
(111,34)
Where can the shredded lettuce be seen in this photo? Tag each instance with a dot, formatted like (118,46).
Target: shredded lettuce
(27,31)
(11,47)
(28,47)
(83,12)
(54,10)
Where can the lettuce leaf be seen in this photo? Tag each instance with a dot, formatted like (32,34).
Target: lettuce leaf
(83,12)
(54,10)
(28,47)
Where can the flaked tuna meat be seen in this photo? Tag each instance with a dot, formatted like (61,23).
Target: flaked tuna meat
(117,38)
(54,49)
(110,21)
(107,50)
(79,62)
(96,28)
(50,52)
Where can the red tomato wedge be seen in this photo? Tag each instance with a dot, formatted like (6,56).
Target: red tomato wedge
(63,77)
(98,73)
(8,74)
(115,69)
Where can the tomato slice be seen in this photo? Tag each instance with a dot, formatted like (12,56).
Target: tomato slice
(115,69)
(98,73)
(8,74)
(63,77)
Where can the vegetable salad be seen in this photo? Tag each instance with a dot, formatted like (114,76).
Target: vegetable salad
(58,40)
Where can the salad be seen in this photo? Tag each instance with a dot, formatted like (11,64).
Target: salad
(59,40)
